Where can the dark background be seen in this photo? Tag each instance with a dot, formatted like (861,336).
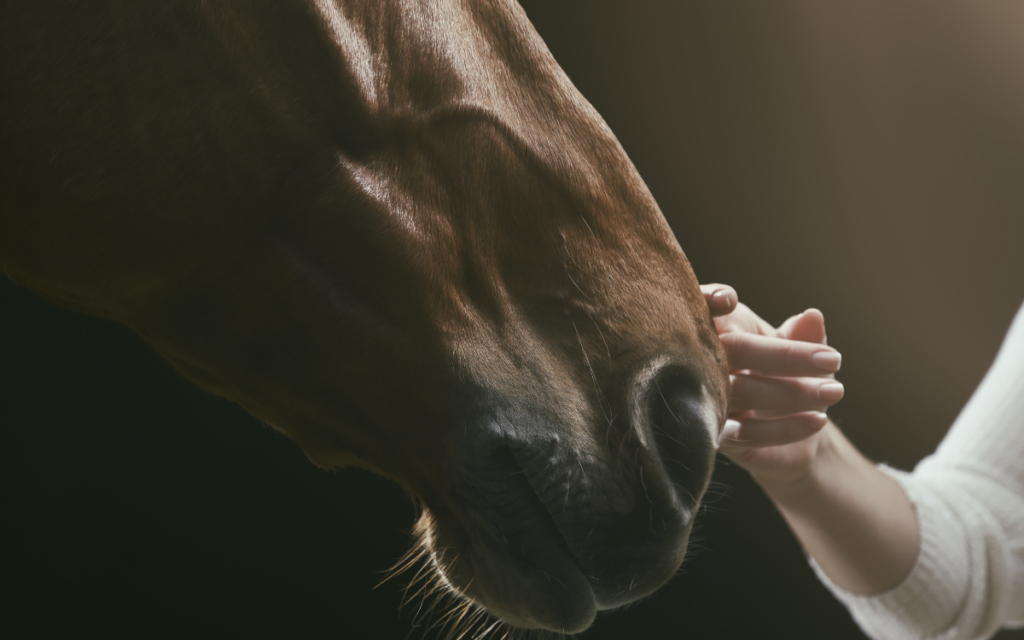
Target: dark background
(867,160)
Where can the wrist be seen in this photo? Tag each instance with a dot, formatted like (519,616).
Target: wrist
(830,455)
(853,519)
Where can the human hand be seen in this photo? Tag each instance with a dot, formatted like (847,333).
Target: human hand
(781,382)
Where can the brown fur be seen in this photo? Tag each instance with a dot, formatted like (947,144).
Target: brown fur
(396,232)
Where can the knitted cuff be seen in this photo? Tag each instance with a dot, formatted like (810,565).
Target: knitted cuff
(928,600)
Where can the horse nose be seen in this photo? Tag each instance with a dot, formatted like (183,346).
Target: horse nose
(641,547)
(682,424)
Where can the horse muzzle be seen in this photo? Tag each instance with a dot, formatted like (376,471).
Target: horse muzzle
(545,523)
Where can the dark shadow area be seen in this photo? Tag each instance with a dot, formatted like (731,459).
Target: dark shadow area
(136,506)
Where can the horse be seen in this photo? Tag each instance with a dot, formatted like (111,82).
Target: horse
(395,232)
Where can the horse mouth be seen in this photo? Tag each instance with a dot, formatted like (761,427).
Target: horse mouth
(543,525)
(519,542)
(498,545)
(529,487)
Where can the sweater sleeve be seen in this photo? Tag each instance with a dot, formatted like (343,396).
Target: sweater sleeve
(968,579)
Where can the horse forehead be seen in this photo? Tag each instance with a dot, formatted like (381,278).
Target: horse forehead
(416,64)
(402,55)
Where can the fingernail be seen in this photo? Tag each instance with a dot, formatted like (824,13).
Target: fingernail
(827,360)
(830,392)
(729,424)
(723,296)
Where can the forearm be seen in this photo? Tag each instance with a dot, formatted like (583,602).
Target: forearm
(854,520)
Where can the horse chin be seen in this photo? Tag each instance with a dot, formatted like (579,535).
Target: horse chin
(510,557)
(527,578)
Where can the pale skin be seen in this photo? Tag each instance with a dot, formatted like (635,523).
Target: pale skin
(854,520)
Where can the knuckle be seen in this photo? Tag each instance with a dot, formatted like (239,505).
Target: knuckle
(796,393)
(791,355)
(736,346)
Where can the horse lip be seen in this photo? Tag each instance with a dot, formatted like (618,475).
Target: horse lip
(541,470)
(519,541)
(548,516)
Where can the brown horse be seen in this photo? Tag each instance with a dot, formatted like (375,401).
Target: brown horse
(394,231)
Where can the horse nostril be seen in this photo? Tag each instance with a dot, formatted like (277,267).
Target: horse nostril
(678,418)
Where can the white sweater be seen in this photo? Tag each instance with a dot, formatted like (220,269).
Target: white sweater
(968,579)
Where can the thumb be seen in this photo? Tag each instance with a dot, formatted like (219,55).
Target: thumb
(808,326)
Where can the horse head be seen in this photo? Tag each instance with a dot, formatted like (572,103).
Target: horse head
(397,233)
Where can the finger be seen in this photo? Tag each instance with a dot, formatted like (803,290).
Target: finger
(789,395)
(745,320)
(757,433)
(721,298)
(808,326)
(778,356)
